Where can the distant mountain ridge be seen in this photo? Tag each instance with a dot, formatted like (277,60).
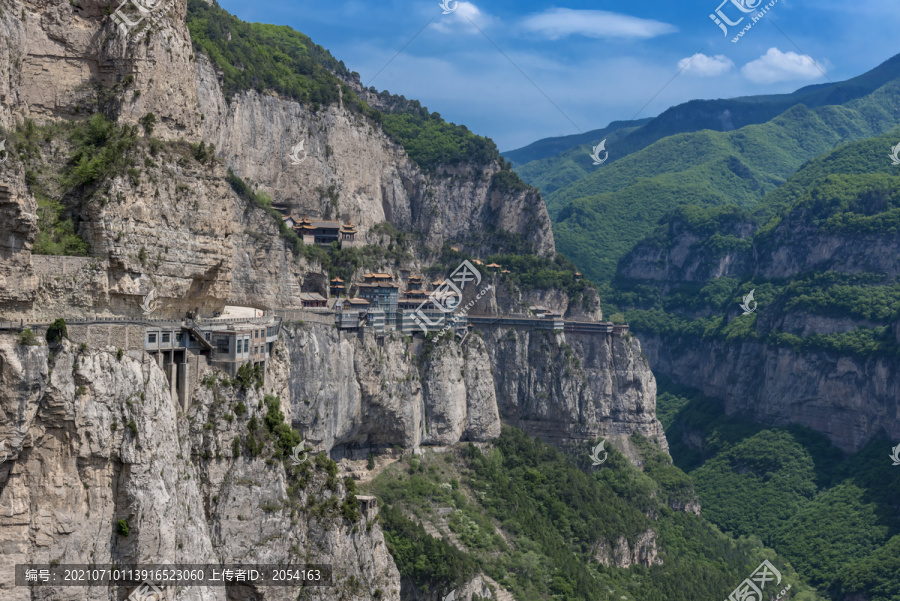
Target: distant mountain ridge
(599,213)
(548,147)
(717,115)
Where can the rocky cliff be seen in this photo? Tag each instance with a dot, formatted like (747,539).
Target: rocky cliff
(94,434)
(355,394)
(94,438)
(177,226)
(820,349)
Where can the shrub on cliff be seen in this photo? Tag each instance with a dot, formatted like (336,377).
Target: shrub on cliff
(57,331)
(27,338)
(122,527)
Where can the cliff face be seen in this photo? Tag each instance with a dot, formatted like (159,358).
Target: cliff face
(352,170)
(98,439)
(203,246)
(850,399)
(850,395)
(354,394)
(570,387)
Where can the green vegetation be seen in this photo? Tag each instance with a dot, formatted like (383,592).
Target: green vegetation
(431,563)
(148,122)
(531,272)
(28,338)
(549,155)
(57,331)
(56,234)
(533,520)
(249,375)
(430,141)
(848,207)
(599,217)
(101,149)
(527,270)
(253,56)
(285,437)
(122,527)
(832,516)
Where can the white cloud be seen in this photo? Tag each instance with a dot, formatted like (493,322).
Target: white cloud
(461,19)
(558,23)
(775,66)
(705,66)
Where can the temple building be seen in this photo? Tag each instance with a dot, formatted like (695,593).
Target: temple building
(313,300)
(324,232)
(383,293)
(337,287)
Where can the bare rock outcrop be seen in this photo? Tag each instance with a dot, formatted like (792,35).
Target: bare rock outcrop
(352,394)
(624,554)
(571,387)
(98,439)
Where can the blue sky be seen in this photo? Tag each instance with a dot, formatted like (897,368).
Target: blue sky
(590,62)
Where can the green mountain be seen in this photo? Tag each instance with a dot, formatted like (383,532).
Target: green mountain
(717,115)
(570,164)
(545,525)
(833,516)
(820,255)
(550,147)
(601,216)
(693,153)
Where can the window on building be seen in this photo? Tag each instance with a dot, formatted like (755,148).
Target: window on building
(208,334)
(151,338)
(166,337)
(222,344)
(246,344)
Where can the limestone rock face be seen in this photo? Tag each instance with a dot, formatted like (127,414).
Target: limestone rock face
(354,393)
(642,551)
(352,170)
(18,227)
(99,439)
(172,231)
(571,387)
(61,55)
(849,397)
